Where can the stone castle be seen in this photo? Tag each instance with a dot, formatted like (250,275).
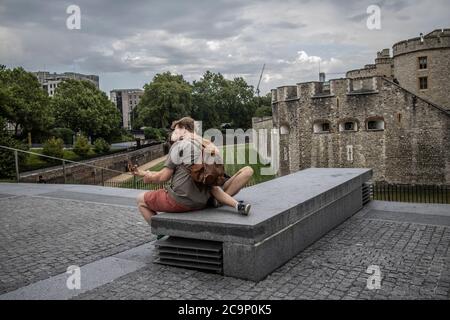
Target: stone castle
(392,116)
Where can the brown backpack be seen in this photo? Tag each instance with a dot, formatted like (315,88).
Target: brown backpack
(207,174)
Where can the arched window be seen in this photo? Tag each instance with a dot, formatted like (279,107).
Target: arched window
(348,126)
(375,124)
(322,126)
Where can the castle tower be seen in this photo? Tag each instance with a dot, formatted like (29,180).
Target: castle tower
(422,66)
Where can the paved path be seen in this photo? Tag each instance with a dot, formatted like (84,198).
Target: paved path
(44,229)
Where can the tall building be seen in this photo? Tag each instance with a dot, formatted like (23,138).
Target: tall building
(126,100)
(50,81)
(392,116)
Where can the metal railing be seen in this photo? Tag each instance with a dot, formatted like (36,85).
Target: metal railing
(101,175)
(69,173)
(438,194)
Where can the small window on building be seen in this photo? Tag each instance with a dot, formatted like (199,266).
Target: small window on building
(423,62)
(423,83)
(375,125)
(349,126)
(322,127)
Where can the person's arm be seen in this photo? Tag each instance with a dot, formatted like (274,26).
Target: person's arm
(158,177)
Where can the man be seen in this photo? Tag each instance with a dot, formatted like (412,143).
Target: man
(183,194)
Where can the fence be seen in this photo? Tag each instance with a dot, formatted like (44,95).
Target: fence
(92,174)
(439,194)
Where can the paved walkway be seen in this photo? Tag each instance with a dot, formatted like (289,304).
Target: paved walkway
(46,228)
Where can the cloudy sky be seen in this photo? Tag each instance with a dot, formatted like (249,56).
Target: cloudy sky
(127,42)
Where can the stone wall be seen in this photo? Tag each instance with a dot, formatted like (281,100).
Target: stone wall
(78,173)
(413,148)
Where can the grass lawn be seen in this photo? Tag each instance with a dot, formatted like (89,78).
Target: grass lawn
(230,169)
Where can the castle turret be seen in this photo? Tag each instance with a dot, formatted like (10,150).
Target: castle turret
(422,66)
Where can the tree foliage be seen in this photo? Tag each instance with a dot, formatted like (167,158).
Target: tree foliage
(218,100)
(166,98)
(80,106)
(82,146)
(53,147)
(23,103)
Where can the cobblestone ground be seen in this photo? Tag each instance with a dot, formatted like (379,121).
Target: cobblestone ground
(41,237)
(413,258)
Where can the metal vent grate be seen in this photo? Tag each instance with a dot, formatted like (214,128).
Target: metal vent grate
(190,253)
(366,193)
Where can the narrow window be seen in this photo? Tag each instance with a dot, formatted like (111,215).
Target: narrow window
(325,127)
(349,153)
(423,62)
(423,83)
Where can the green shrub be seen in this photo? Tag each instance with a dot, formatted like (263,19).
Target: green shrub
(53,147)
(153,133)
(82,146)
(63,133)
(7,159)
(101,146)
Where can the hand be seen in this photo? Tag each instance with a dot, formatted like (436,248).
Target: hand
(137,172)
(148,177)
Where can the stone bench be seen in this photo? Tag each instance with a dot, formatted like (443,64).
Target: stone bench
(288,214)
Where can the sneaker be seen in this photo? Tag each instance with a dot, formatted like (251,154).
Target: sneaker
(244,208)
(216,204)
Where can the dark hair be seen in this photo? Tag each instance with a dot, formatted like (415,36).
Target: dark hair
(186,123)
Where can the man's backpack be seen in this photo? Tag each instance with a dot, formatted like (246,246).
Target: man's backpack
(209,174)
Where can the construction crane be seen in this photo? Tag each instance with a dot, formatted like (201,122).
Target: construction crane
(260,78)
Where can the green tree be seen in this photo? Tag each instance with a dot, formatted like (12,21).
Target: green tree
(165,99)
(82,146)
(264,108)
(101,146)
(218,100)
(80,106)
(53,147)
(7,159)
(208,105)
(23,102)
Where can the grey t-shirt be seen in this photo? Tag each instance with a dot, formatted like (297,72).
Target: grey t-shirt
(182,188)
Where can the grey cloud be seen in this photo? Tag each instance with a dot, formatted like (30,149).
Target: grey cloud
(161,35)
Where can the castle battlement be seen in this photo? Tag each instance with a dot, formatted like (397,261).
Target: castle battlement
(330,89)
(434,40)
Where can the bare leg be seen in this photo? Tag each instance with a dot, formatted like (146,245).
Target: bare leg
(238,181)
(223,197)
(143,209)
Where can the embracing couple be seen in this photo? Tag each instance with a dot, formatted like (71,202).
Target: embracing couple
(184,194)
